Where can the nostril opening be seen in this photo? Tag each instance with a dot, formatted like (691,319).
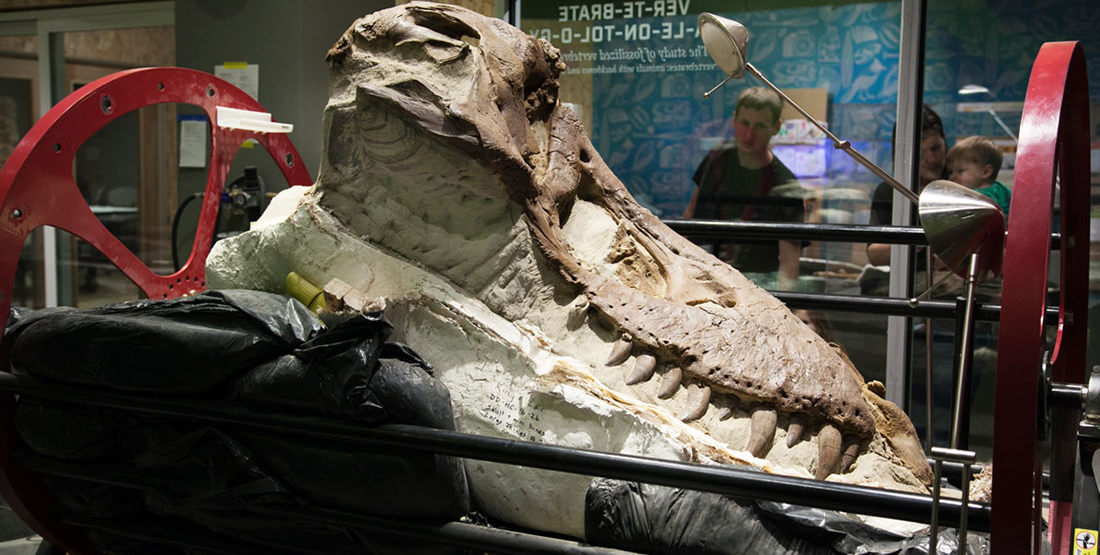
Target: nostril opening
(585,157)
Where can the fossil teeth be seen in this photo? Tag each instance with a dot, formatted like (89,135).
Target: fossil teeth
(731,402)
(828,451)
(698,402)
(794,430)
(644,366)
(619,353)
(670,382)
(763,430)
(851,450)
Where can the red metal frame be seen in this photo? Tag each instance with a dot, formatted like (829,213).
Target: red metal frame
(37,188)
(1054,136)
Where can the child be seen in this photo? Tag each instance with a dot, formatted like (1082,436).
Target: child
(974,162)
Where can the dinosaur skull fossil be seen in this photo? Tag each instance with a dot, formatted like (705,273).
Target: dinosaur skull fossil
(458,189)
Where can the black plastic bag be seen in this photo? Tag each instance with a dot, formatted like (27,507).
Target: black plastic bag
(221,477)
(184,345)
(673,521)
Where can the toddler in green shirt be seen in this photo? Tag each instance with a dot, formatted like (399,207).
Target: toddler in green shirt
(974,163)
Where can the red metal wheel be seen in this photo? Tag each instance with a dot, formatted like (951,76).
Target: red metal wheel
(1054,137)
(37,188)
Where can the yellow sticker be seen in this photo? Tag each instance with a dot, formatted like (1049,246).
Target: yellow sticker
(1084,541)
(235,65)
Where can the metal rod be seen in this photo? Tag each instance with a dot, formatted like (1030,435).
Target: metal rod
(723,229)
(928,283)
(929,366)
(1002,123)
(718,86)
(1071,395)
(716,479)
(843,145)
(934,526)
(175,535)
(965,487)
(891,306)
(961,416)
(471,536)
(479,538)
(841,233)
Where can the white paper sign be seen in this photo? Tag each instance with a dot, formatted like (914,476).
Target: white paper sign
(193,143)
(245,76)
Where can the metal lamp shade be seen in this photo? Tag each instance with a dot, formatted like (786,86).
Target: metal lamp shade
(959,222)
(726,41)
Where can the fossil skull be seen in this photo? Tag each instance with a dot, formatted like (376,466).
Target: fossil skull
(457,187)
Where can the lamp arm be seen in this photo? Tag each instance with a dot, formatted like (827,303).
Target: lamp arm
(1003,125)
(837,143)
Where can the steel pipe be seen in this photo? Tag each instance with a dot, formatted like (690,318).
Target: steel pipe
(890,306)
(471,536)
(742,483)
(840,233)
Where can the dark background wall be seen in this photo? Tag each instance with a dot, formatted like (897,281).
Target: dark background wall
(288,39)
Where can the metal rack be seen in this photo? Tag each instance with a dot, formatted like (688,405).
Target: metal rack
(724,480)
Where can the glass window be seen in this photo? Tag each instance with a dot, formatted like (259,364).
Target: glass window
(123,170)
(18,107)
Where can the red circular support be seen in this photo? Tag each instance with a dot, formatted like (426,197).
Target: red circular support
(37,188)
(1053,148)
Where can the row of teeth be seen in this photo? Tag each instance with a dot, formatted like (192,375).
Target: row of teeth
(835,454)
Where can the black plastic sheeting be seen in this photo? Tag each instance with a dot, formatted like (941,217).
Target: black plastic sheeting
(671,521)
(243,348)
(186,345)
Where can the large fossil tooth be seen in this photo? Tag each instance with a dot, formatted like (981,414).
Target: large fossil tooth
(851,450)
(731,402)
(828,451)
(794,430)
(763,430)
(670,382)
(620,352)
(644,366)
(697,404)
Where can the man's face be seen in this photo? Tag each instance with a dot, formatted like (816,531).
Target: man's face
(969,173)
(753,129)
(933,149)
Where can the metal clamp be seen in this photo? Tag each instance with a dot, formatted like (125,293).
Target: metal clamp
(967,459)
